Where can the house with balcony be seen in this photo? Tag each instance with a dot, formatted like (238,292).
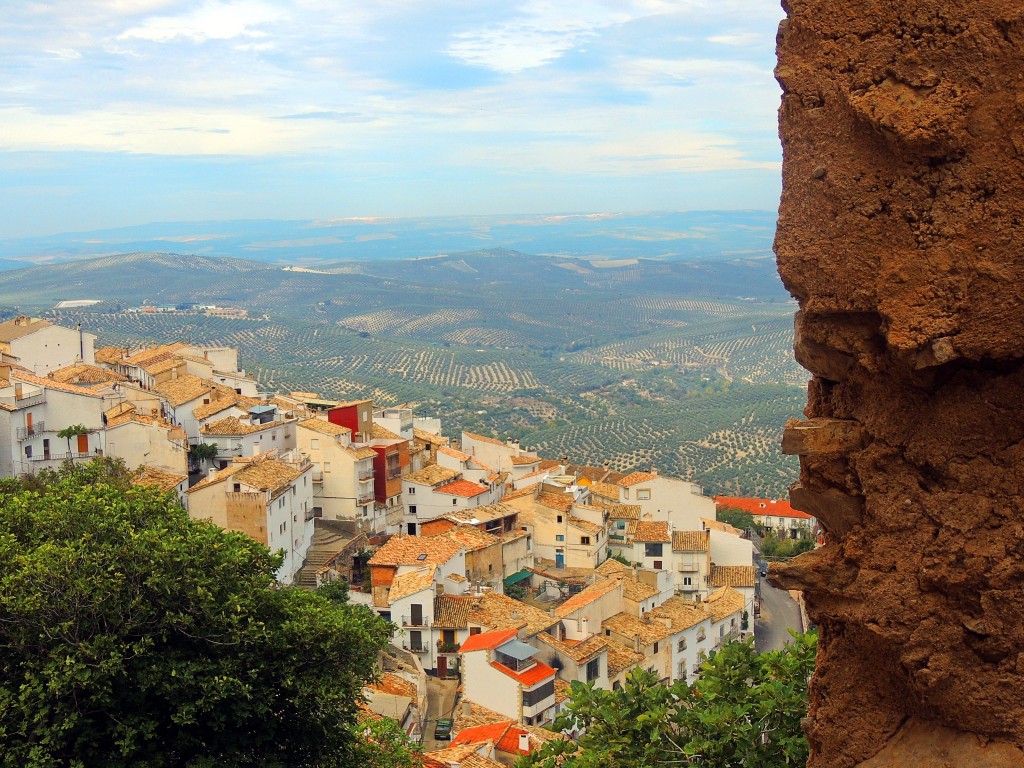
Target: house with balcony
(33,409)
(502,673)
(728,606)
(39,346)
(268,497)
(393,457)
(257,433)
(741,579)
(691,563)
(565,531)
(775,515)
(436,491)
(343,473)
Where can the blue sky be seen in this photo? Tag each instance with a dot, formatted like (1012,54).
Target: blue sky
(120,112)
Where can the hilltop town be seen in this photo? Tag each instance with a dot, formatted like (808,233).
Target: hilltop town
(507,573)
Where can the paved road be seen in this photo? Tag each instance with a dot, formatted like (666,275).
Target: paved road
(440,703)
(779,613)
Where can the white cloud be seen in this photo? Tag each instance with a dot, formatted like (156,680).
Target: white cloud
(210,21)
(740,39)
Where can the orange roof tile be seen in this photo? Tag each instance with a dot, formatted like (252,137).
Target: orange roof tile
(636,477)
(527,678)
(465,488)
(776,507)
(587,596)
(39,381)
(453,453)
(732,576)
(482,439)
(691,541)
(416,550)
(654,532)
(524,460)
(488,641)
(723,602)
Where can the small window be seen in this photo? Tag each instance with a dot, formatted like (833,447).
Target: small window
(28,451)
(682,644)
(412,509)
(644,495)
(655,647)
(238,488)
(559,519)
(412,491)
(327,466)
(652,549)
(454,502)
(559,537)
(584,539)
(687,581)
(657,565)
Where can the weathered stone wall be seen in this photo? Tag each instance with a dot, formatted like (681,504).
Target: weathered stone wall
(900,233)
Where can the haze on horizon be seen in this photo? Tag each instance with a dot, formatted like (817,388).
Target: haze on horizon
(122,112)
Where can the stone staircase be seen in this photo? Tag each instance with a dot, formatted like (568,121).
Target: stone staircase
(325,545)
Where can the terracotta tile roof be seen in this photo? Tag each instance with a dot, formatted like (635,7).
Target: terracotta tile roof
(471,537)
(774,507)
(624,511)
(162,365)
(612,567)
(407,550)
(654,532)
(585,525)
(325,427)
(232,425)
(463,755)
(454,454)
(682,613)
(452,611)
(637,591)
(562,690)
(410,583)
(636,477)
(458,578)
(362,452)
(724,602)
(267,474)
(488,641)
(41,381)
(109,354)
(550,464)
(477,715)
(16,327)
(620,657)
(595,591)
(561,501)
(158,478)
(605,490)
(691,541)
(482,439)
(495,610)
(732,576)
(582,652)
(377,432)
(428,437)
(524,460)
(650,631)
(528,678)
(393,684)
(464,488)
(435,474)
(84,374)
(183,389)
(156,352)
(222,401)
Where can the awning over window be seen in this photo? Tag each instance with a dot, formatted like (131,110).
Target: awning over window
(515,578)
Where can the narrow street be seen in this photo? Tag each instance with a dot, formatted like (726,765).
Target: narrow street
(440,703)
(779,614)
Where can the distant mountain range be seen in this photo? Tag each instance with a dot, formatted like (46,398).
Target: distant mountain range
(690,235)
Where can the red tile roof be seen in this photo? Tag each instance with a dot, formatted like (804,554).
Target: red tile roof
(488,640)
(636,477)
(777,507)
(535,674)
(482,733)
(466,488)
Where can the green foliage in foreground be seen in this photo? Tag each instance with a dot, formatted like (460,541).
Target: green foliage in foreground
(743,712)
(131,635)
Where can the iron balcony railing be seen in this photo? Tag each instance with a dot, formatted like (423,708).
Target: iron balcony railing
(414,621)
(444,646)
(26,432)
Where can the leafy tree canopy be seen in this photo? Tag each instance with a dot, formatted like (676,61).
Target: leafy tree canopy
(132,635)
(737,518)
(744,711)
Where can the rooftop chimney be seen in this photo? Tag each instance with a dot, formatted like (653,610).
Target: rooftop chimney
(524,741)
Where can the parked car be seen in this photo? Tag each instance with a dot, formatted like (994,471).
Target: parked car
(443,729)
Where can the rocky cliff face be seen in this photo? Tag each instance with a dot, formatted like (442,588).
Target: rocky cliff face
(900,233)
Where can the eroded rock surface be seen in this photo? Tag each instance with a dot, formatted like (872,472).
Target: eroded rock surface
(900,233)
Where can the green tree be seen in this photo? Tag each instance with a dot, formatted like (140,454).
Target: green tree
(132,635)
(744,711)
(73,431)
(203,452)
(737,518)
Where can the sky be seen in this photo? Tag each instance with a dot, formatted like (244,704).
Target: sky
(122,112)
